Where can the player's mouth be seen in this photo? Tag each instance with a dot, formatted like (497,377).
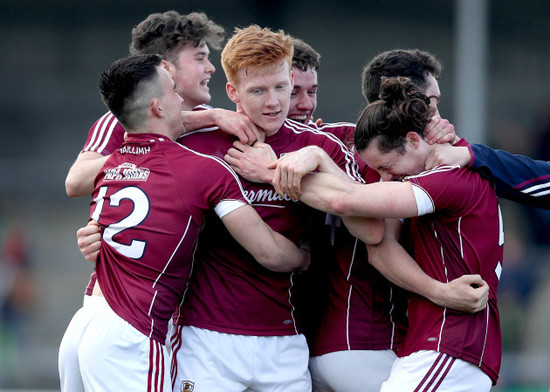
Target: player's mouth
(204,83)
(300,118)
(272,114)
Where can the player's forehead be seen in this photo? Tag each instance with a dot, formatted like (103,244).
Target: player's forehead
(263,75)
(190,50)
(305,79)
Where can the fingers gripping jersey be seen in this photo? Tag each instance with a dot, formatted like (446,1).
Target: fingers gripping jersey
(151,200)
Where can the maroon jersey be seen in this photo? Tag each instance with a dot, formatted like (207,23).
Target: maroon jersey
(151,199)
(105,137)
(364,311)
(231,292)
(458,232)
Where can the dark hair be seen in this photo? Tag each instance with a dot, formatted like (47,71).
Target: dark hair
(168,32)
(414,64)
(305,56)
(121,85)
(402,108)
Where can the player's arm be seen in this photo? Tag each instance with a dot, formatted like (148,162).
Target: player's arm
(339,196)
(468,293)
(271,249)
(80,179)
(368,230)
(258,163)
(292,167)
(517,177)
(237,124)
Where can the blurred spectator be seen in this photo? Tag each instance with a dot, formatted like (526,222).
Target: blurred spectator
(16,293)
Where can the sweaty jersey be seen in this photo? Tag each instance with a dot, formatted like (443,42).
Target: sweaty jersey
(105,137)
(364,311)
(516,177)
(151,199)
(458,231)
(230,291)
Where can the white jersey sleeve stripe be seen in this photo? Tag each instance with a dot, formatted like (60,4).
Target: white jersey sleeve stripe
(100,138)
(108,136)
(96,131)
(226,206)
(424,203)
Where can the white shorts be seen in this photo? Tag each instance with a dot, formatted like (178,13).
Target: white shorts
(426,371)
(351,370)
(209,361)
(102,352)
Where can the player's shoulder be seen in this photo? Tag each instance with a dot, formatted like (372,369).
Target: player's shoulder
(108,120)
(203,159)
(308,130)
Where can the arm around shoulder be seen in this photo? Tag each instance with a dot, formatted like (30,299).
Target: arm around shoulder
(80,179)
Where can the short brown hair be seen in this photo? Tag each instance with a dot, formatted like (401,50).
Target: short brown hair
(254,46)
(305,56)
(168,32)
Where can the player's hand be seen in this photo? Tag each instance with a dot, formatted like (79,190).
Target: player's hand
(239,125)
(251,162)
(89,240)
(439,130)
(468,293)
(445,154)
(291,167)
(318,122)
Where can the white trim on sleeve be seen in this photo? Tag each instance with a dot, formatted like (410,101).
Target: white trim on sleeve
(226,206)
(424,203)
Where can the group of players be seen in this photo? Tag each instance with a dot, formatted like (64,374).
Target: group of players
(207,280)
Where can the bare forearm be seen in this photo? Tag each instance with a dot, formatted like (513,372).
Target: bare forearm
(467,293)
(344,197)
(198,119)
(392,261)
(368,230)
(80,179)
(289,256)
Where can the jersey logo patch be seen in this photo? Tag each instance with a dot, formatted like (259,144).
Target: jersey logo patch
(126,172)
(187,386)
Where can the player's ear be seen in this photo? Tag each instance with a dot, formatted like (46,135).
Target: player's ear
(413,139)
(169,66)
(232,92)
(155,108)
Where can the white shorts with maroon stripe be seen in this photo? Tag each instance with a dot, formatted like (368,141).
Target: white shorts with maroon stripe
(427,371)
(351,370)
(209,361)
(102,352)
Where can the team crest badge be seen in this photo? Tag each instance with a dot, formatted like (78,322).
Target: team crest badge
(187,386)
